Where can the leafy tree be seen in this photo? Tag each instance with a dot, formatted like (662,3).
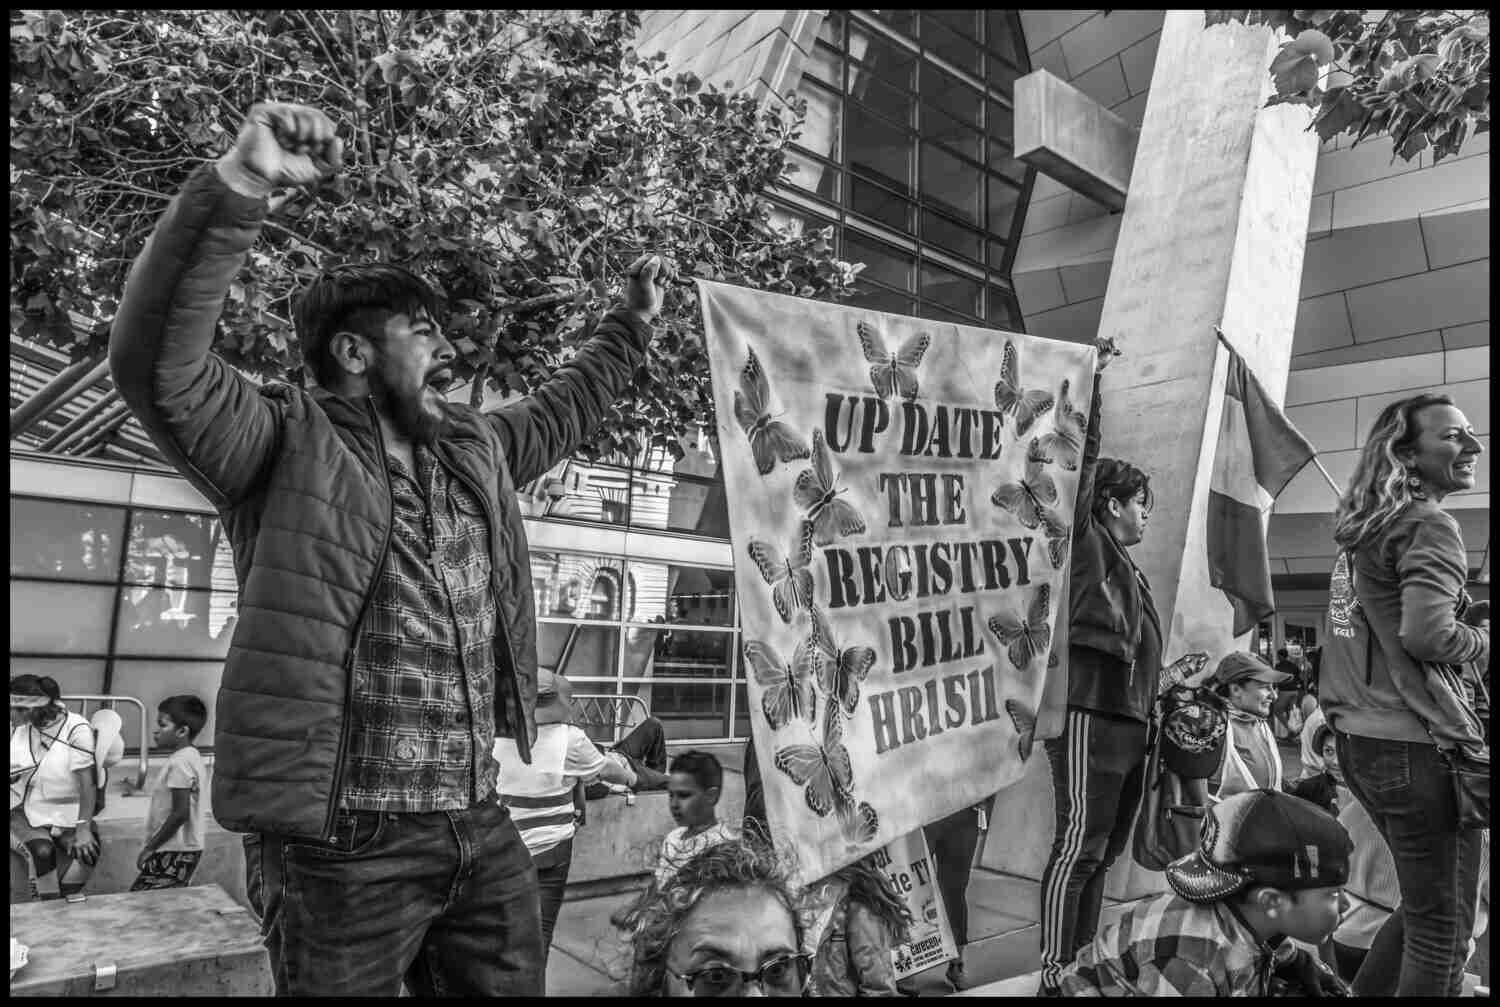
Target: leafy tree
(518,159)
(1421,76)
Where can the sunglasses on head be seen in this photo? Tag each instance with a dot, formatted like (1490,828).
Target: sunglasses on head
(783,976)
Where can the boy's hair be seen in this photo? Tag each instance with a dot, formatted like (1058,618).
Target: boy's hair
(1282,652)
(1118,480)
(1476,613)
(359,297)
(701,766)
(185,711)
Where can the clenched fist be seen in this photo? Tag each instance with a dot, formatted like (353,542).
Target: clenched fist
(645,285)
(281,145)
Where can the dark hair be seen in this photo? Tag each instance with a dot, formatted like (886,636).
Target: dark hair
(36,685)
(1476,613)
(1117,480)
(1283,652)
(1320,738)
(871,887)
(701,766)
(360,297)
(653,922)
(1378,492)
(185,711)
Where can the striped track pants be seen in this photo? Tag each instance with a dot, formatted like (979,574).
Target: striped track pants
(1098,768)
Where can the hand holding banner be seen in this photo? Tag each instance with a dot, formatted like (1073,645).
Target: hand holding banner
(903,492)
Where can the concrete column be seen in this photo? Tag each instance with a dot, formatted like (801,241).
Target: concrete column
(1214,228)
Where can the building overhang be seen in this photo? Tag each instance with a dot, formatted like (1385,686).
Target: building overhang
(1070,137)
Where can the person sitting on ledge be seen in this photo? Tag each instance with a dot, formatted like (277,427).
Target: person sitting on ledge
(642,754)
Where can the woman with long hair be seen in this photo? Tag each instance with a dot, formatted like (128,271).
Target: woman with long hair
(861,919)
(52,787)
(728,920)
(1397,706)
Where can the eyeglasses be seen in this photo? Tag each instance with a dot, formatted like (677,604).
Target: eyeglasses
(784,976)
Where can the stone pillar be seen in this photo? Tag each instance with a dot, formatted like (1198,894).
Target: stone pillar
(1213,232)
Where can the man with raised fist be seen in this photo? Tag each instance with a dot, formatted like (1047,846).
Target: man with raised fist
(386,629)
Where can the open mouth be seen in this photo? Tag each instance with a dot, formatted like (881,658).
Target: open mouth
(441,381)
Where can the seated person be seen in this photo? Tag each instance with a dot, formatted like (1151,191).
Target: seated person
(53,788)
(1251,758)
(1270,867)
(642,754)
(1323,789)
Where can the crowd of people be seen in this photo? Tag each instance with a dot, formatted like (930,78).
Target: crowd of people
(409,781)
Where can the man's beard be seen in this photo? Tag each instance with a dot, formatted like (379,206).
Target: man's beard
(405,410)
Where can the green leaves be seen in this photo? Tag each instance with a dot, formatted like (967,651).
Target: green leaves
(1420,76)
(519,160)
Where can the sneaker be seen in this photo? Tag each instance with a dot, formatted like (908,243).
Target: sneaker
(955,976)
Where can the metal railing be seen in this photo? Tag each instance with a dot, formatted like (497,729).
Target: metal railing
(145,736)
(609,710)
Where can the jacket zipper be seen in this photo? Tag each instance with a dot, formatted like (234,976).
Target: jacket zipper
(364,604)
(522,738)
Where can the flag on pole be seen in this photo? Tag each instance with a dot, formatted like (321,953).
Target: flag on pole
(1259,452)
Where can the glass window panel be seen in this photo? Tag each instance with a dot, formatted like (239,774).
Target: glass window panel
(155,680)
(958,49)
(176,549)
(823,123)
(949,289)
(175,622)
(943,314)
(576,585)
(879,149)
(812,175)
(1001,210)
(75,676)
(945,91)
(941,231)
(797,221)
(1003,309)
(890,101)
(1002,161)
(741,711)
(1001,36)
(997,254)
(678,504)
(577,649)
(964,139)
(880,55)
(687,709)
(587,492)
(964,22)
(881,204)
(904,21)
(826,64)
(60,618)
(681,595)
(883,263)
(867,295)
(57,539)
(1000,121)
(1001,75)
(687,653)
(952,185)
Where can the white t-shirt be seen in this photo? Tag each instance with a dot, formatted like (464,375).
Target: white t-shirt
(540,796)
(679,847)
(57,752)
(185,771)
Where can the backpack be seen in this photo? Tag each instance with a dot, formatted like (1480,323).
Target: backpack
(1187,747)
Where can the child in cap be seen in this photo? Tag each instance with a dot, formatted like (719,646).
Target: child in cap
(1270,866)
(174,821)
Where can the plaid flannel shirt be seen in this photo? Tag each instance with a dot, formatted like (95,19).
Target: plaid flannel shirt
(424,672)
(1168,946)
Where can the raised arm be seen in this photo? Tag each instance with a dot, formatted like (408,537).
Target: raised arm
(211,422)
(1084,505)
(546,426)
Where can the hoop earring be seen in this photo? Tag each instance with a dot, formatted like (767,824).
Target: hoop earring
(1414,484)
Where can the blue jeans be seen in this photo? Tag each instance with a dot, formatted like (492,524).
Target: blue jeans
(445,901)
(1406,788)
(552,869)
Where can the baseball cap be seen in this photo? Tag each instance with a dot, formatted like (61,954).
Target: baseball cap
(1194,726)
(1263,837)
(1242,665)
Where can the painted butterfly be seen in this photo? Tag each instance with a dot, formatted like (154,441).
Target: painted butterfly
(892,372)
(857,819)
(839,672)
(1028,498)
(1026,406)
(1064,444)
(824,768)
(770,440)
(786,690)
(1058,535)
(1025,724)
(1030,638)
(790,576)
(814,492)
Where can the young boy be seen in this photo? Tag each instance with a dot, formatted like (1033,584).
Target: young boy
(174,824)
(693,796)
(1270,866)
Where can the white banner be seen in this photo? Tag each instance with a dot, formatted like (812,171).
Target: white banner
(901,510)
(908,864)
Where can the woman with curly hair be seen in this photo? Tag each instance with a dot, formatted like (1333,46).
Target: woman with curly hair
(727,921)
(861,920)
(1397,707)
